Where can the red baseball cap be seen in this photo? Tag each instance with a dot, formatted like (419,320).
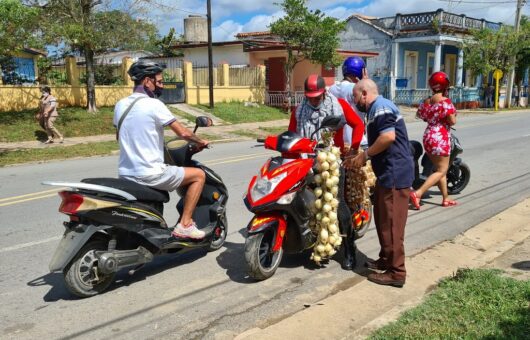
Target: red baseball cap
(314,86)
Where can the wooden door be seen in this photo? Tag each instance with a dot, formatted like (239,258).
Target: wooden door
(276,74)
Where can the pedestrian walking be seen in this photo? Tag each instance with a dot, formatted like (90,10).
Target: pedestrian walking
(389,150)
(48,115)
(440,114)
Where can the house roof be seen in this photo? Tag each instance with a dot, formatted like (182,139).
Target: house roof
(34,51)
(368,20)
(253,34)
(204,44)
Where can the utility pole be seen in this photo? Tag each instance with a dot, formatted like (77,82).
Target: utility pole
(511,76)
(210,59)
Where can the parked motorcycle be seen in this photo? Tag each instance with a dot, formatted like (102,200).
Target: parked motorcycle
(116,223)
(282,199)
(458,174)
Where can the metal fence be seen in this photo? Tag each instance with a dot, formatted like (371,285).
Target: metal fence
(457,95)
(244,76)
(201,75)
(277,98)
(173,71)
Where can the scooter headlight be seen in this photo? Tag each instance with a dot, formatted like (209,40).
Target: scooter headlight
(287,198)
(265,186)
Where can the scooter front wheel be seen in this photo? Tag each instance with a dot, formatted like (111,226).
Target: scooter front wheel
(82,277)
(262,262)
(219,234)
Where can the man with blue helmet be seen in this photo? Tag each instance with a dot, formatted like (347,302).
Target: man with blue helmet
(353,70)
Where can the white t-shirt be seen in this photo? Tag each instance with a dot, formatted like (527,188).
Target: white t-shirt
(142,135)
(344,89)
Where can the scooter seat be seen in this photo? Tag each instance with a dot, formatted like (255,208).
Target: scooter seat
(141,192)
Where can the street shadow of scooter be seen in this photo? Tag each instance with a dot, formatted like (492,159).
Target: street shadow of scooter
(159,264)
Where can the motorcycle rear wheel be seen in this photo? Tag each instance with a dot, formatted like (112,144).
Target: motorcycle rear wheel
(458,178)
(262,262)
(82,277)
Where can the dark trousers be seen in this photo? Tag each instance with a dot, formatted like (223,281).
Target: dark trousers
(390,214)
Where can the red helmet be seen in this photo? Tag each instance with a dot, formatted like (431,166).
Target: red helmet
(314,86)
(438,81)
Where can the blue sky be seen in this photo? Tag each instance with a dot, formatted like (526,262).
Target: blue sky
(234,16)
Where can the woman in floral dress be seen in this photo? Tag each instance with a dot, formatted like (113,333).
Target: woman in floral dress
(440,114)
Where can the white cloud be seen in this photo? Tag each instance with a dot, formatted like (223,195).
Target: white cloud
(228,15)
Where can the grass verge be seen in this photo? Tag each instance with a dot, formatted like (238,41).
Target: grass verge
(72,122)
(57,152)
(474,304)
(237,112)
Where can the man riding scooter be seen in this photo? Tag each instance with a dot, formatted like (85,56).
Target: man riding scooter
(317,104)
(140,120)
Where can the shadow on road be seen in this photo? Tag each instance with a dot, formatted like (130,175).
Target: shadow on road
(59,291)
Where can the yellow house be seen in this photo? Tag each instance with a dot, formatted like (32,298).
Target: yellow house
(25,70)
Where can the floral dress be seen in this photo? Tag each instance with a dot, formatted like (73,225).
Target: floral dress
(436,138)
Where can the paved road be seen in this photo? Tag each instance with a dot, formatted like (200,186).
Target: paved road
(207,295)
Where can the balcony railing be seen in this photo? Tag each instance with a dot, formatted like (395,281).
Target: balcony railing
(440,20)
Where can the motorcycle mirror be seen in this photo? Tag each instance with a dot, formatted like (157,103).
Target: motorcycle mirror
(203,121)
(330,122)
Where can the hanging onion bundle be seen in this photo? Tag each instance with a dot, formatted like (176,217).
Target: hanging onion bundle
(359,182)
(326,224)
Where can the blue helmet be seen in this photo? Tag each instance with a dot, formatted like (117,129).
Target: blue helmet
(353,66)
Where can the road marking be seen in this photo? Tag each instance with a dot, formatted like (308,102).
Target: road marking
(30,244)
(26,200)
(526,135)
(225,160)
(32,194)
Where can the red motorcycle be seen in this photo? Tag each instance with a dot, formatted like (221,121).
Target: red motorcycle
(282,200)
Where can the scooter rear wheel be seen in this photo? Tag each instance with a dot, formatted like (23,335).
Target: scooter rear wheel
(458,178)
(81,275)
(262,262)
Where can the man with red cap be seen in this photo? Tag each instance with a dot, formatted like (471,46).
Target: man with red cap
(317,104)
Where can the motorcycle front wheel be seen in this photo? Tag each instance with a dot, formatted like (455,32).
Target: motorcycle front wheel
(262,262)
(82,276)
(458,177)
(366,224)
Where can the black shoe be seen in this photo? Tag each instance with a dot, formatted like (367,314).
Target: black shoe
(348,263)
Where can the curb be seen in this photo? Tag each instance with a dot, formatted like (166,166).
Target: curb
(356,312)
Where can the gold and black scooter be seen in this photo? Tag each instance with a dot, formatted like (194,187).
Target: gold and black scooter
(115,223)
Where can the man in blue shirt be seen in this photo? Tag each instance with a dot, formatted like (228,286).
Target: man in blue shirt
(393,165)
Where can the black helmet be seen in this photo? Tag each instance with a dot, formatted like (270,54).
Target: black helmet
(144,68)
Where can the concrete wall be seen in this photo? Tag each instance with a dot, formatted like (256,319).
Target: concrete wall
(423,49)
(17,98)
(359,36)
(223,91)
(230,54)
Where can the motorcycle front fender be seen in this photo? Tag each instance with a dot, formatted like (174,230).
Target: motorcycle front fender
(73,240)
(457,161)
(260,223)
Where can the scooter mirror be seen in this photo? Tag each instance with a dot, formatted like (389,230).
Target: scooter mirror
(203,121)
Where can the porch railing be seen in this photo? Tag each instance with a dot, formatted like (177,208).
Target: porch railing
(441,19)
(457,95)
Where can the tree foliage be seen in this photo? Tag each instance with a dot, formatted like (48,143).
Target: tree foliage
(88,27)
(307,35)
(18,24)
(487,50)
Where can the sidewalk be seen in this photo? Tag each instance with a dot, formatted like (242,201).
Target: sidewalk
(221,130)
(502,241)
